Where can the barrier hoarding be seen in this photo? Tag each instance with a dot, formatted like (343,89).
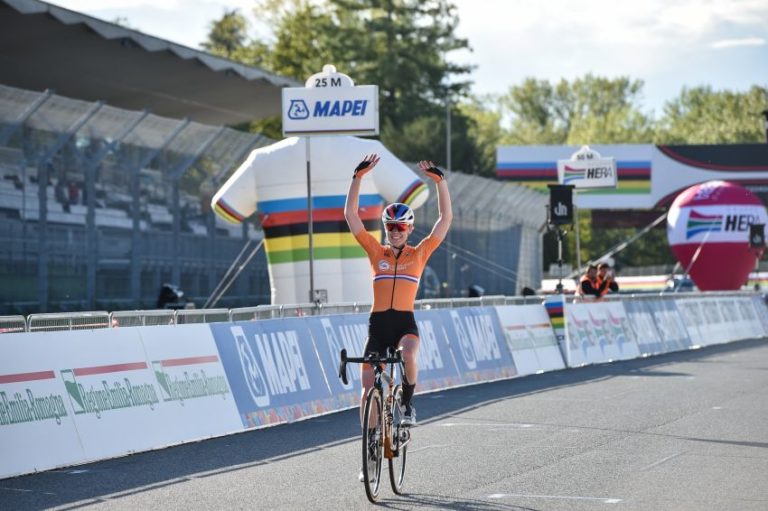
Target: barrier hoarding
(195,397)
(273,370)
(477,344)
(596,332)
(37,428)
(530,338)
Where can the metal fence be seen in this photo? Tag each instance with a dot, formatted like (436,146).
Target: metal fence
(100,319)
(121,319)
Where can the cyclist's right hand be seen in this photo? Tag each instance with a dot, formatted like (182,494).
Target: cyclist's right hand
(366,165)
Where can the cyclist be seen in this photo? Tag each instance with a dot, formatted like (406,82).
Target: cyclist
(397,268)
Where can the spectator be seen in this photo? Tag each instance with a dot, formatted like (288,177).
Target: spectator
(590,284)
(606,280)
(74,192)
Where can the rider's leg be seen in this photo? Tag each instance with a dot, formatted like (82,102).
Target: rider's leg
(366,376)
(410,345)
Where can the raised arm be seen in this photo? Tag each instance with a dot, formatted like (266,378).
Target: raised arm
(440,230)
(352,205)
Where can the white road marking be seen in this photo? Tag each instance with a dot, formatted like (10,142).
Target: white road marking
(77,471)
(486,425)
(717,407)
(435,446)
(559,497)
(663,460)
(24,490)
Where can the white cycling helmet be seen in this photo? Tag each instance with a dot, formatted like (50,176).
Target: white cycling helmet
(397,212)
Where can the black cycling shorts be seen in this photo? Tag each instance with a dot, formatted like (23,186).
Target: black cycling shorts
(386,328)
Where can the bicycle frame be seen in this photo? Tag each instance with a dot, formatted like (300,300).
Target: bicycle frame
(378,364)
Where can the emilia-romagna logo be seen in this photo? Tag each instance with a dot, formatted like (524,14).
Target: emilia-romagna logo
(28,407)
(107,396)
(699,223)
(179,387)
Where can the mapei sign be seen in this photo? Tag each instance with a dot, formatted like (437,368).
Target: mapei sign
(330,104)
(587,169)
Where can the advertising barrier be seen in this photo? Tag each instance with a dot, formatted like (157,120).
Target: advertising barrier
(76,396)
(477,344)
(596,333)
(273,370)
(530,338)
(71,397)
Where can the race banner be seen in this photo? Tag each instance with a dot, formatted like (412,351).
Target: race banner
(642,327)
(196,401)
(331,334)
(670,324)
(273,370)
(37,428)
(477,342)
(597,333)
(530,338)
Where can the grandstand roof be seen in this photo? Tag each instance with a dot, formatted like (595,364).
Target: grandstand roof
(48,47)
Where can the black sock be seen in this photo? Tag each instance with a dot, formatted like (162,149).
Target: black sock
(408,393)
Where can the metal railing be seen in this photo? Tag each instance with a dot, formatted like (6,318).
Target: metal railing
(101,319)
(68,321)
(12,324)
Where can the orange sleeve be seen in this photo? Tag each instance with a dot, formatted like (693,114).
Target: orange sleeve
(427,246)
(371,246)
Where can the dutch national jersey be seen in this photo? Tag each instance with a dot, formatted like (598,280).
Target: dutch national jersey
(396,280)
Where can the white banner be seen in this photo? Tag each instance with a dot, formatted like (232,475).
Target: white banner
(715,224)
(37,429)
(597,332)
(530,338)
(596,173)
(71,397)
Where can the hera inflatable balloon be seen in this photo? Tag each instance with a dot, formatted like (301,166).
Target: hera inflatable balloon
(708,229)
(273,181)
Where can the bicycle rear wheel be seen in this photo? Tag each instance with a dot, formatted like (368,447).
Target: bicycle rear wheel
(400,439)
(373,443)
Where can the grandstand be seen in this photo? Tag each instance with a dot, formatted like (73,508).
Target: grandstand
(112,143)
(99,206)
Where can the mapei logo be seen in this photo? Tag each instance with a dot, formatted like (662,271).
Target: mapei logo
(699,223)
(254,379)
(298,110)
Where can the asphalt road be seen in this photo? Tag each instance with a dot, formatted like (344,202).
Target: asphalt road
(681,431)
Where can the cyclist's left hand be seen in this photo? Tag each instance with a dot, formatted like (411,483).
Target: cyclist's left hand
(431,170)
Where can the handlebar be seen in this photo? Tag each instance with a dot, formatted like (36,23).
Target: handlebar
(374,359)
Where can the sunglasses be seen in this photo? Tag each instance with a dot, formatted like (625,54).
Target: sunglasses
(399,227)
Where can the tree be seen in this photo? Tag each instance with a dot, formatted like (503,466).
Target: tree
(589,110)
(228,38)
(701,115)
(399,45)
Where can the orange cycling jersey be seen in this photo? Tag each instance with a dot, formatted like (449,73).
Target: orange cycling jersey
(396,279)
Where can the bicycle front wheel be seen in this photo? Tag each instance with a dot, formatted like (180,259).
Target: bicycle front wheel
(373,443)
(400,439)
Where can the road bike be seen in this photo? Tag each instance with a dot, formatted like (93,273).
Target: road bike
(383,436)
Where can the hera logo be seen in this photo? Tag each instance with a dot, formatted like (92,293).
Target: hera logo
(298,110)
(699,223)
(572,174)
(254,379)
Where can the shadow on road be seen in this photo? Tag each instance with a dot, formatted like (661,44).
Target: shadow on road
(101,481)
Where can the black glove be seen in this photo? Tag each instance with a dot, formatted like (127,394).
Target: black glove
(435,174)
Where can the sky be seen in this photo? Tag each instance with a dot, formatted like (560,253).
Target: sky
(668,44)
